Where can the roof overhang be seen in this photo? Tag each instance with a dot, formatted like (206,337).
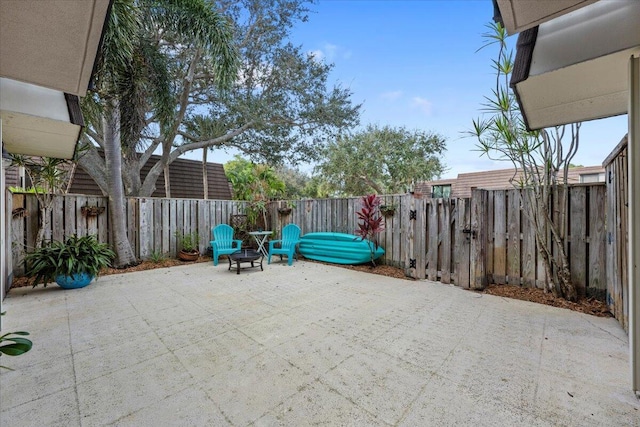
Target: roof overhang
(37,121)
(51,43)
(48,52)
(574,68)
(520,15)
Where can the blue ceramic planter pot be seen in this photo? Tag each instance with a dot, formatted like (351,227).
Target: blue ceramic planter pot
(78,280)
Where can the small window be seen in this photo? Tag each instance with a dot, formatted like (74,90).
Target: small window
(588,178)
(441,191)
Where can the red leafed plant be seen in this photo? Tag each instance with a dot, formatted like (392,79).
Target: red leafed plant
(370,222)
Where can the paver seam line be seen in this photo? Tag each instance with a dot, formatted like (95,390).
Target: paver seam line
(273,354)
(73,364)
(604,330)
(190,387)
(542,339)
(437,369)
(44,396)
(332,389)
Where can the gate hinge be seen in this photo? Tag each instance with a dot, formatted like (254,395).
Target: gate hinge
(412,263)
(413,214)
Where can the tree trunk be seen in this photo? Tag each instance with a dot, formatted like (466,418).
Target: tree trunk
(44,216)
(117,212)
(95,166)
(167,182)
(205,181)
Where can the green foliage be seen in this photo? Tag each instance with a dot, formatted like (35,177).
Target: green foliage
(253,181)
(143,44)
(188,242)
(75,255)
(49,176)
(317,188)
(13,345)
(370,222)
(30,190)
(542,159)
(156,257)
(381,159)
(282,107)
(295,181)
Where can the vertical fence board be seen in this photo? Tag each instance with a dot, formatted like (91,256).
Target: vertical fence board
(431,247)
(203,223)
(173,227)
(500,237)
(597,243)
(103,222)
(81,220)
(478,276)
(513,244)
(578,249)
(69,217)
(18,228)
(132,224)
(145,234)
(445,237)
(420,236)
(529,251)
(9,268)
(463,242)
(57,221)
(32,218)
(156,246)
(490,235)
(165,248)
(410,261)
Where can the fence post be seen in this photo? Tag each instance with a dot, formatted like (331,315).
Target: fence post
(478,274)
(410,257)
(462,242)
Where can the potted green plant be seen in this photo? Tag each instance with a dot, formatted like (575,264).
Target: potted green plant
(388,210)
(286,208)
(73,263)
(188,243)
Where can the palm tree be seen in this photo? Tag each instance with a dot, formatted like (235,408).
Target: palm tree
(133,73)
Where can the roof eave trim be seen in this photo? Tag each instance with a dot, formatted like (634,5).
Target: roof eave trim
(522,65)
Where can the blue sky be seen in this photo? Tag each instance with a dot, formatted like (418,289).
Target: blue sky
(415,64)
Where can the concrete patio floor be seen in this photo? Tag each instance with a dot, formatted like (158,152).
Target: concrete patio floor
(305,345)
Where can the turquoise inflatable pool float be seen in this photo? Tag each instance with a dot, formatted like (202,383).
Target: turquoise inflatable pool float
(337,248)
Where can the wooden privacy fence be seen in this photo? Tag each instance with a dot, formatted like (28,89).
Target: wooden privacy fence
(617,258)
(472,242)
(468,242)
(152,223)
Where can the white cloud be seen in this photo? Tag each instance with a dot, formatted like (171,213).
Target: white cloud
(422,104)
(391,95)
(329,52)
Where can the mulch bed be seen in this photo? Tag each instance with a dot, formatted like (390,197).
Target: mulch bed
(587,305)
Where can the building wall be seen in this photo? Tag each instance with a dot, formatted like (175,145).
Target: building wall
(500,179)
(185,175)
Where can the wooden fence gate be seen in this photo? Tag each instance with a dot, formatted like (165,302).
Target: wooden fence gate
(489,239)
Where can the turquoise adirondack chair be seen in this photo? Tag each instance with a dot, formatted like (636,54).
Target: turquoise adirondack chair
(288,243)
(223,242)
